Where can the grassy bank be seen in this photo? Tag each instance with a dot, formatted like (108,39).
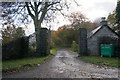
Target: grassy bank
(22,62)
(112,62)
(12,66)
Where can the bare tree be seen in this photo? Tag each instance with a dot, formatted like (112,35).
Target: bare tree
(40,8)
(79,20)
(38,11)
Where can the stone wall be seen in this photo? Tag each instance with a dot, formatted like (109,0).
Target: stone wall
(93,42)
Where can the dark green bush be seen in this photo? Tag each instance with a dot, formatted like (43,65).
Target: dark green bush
(15,49)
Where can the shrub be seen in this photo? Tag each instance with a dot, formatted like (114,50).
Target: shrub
(15,49)
(75,46)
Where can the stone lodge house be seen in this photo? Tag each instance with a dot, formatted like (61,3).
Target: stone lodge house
(101,35)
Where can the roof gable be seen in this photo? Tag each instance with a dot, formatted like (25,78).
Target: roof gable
(92,33)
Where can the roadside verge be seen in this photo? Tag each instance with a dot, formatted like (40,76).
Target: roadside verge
(22,65)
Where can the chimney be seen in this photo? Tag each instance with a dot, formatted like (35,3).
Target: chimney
(103,22)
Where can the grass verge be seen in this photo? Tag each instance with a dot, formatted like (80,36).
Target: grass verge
(112,62)
(20,65)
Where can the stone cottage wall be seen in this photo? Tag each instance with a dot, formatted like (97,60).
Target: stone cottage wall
(93,46)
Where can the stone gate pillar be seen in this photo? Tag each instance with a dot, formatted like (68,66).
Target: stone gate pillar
(44,41)
(82,42)
(49,35)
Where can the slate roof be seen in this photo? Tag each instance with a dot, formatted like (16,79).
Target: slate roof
(93,32)
(90,34)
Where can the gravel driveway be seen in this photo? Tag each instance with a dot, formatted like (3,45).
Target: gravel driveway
(65,65)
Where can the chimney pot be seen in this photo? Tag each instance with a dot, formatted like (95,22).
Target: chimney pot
(103,22)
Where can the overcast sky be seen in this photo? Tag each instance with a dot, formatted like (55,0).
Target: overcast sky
(97,8)
(93,9)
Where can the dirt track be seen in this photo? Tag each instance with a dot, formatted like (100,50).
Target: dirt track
(65,65)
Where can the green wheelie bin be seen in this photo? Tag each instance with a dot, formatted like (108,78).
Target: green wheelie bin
(107,50)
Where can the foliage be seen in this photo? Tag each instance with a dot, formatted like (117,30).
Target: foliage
(118,17)
(114,19)
(66,34)
(32,50)
(111,19)
(79,20)
(54,51)
(11,32)
(15,49)
(64,37)
(52,44)
(118,12)
(75,46)
(112,22)
(102,61)
(39,12)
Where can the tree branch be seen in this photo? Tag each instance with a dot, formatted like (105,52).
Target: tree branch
(53,3)
(43,12)
(39,4)
(32,7)
(76,3)
(32,16)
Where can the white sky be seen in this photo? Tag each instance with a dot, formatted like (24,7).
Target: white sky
(97,8)
(93,9)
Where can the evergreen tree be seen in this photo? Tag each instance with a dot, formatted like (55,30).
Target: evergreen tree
(118,12)
(118,16)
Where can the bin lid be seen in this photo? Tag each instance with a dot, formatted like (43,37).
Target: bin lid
(106,45)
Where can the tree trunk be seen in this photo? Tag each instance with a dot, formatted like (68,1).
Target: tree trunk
(37,33)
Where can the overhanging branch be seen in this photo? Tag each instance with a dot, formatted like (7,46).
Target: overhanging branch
(32,16)
(43,12)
